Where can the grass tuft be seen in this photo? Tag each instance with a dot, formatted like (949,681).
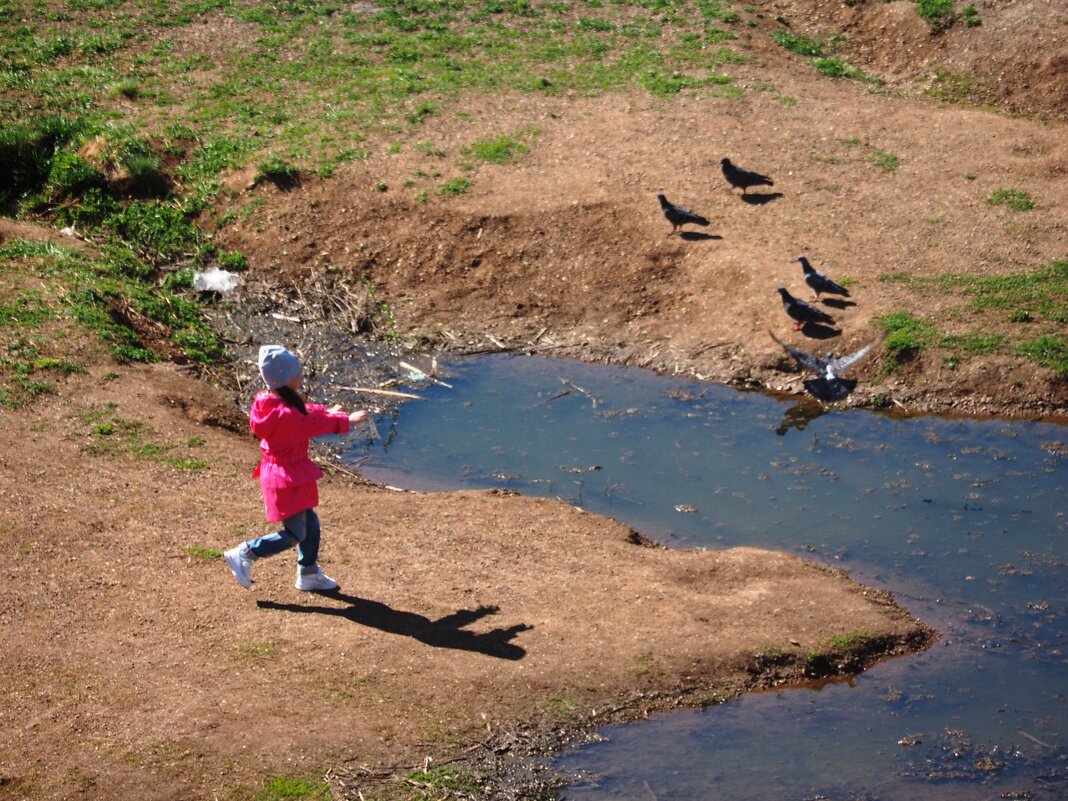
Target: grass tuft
(1047,351)
(1015,199)
(454,186)
(796,43)
(499,150)
(940,14)
(279,172)
(286,788)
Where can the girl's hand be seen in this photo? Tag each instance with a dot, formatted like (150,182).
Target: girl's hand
(358,417)
(337,408)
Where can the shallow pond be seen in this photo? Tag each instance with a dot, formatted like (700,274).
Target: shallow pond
(964,520)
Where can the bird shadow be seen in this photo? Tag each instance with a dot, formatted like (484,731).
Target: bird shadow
(697,236)
(760,199)
(838,303)
(818,331)
(445,632)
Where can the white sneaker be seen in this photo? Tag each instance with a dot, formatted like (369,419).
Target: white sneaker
(240,566)
(315,582)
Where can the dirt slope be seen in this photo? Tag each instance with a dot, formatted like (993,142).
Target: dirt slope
(566,251)
(1014,57)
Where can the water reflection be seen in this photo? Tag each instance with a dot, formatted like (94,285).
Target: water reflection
(799,415)
(963,520)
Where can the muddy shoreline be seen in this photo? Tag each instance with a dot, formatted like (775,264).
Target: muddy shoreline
(263,311)
(510,761)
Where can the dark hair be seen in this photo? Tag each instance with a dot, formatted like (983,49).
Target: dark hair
(291,398)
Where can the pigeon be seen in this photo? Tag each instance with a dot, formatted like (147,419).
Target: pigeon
(678,216)
(820,282)
(736,177)
(802,312)
(828,384)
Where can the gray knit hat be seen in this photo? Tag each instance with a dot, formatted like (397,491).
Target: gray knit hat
(278,366)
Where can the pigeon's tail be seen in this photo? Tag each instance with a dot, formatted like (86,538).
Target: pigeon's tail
(836,289)
(697,219)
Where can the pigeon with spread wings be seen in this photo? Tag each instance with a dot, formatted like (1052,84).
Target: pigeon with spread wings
(828,385)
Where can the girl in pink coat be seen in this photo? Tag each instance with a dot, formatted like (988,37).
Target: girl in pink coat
(288,477)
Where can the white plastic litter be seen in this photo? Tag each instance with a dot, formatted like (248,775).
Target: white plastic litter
(215,280)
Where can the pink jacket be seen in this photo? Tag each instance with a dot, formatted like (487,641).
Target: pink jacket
(287,475)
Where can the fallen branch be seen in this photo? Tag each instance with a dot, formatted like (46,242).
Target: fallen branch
(392,393)
(577,388)
(551,398)
(1033,739)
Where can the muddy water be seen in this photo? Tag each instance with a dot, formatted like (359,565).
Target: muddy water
(965,521)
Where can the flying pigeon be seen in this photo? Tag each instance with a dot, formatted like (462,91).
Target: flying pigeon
(828,384)
(820,282)
(678,216)
(737,177)
(802,312)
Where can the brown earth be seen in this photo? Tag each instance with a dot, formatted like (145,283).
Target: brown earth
(481,625)
(565,251)
(132,667)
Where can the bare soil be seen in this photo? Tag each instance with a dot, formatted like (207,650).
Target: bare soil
(566,252)
(135,668)
(480,625)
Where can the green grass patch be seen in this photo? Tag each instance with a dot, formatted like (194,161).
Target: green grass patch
(26,373)
(887,162)
(847,643)
(25,310)
(970,16)
(117,295)
(304,73)
(278,171)
(796,43)
(825,63)
(202,553)
(1015,199)
(1035,303)
(950,87)
(454,186)
(501,149)
(27,149)
(906,335)
(286,788)
(940,14)
(1048,351)
(1024,297)
(835,67)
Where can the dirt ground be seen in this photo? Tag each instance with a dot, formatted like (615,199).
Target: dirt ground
(566,252)
(483,625)
(135,667)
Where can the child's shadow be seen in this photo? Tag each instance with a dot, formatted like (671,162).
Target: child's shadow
(445,632)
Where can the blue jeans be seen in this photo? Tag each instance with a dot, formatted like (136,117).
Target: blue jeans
(302,530)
